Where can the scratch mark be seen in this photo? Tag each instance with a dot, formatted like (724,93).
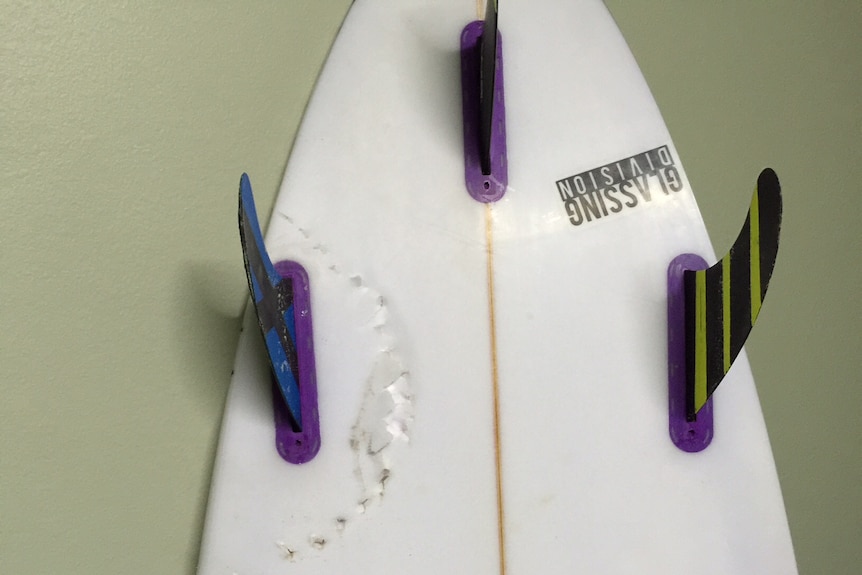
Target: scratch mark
(360,507)
(317,542)
(287,552)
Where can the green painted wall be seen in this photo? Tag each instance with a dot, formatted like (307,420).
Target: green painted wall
(123,130)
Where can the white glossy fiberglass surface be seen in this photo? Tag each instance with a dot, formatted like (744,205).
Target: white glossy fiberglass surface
(374,206)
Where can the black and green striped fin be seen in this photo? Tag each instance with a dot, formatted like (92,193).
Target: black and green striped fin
(722,302)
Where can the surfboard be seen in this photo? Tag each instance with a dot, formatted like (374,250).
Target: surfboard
(491,376)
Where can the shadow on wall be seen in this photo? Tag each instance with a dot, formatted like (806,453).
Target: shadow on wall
(209,301)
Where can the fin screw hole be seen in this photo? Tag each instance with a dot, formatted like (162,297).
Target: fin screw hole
(486,184)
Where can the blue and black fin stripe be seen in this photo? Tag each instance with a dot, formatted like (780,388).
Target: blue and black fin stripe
(272,295)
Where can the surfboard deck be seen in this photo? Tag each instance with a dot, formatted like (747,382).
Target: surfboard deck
(492,379)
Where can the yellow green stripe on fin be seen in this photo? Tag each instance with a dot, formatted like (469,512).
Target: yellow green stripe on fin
(700,341)
(754,239)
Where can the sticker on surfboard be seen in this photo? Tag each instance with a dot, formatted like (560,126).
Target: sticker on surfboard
(619,186)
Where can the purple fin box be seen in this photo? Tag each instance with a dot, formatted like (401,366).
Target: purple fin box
(491,187)
(689,436)
(299,446)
